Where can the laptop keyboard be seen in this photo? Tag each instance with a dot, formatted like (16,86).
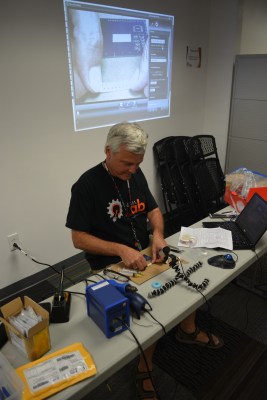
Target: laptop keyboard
(238,238)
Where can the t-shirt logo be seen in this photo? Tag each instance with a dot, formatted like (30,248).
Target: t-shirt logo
(136,207)
(115,210)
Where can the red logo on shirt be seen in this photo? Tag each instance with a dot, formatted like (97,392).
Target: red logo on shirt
(116,211)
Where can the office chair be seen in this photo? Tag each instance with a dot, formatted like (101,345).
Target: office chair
(175,198)
(206,169)
(180,147)
(161,156)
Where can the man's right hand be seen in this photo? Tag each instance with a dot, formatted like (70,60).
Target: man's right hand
(132,258)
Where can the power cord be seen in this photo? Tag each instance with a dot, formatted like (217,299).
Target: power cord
(89,280)
(16,246)
(143,355)
(152,316)
(83,294)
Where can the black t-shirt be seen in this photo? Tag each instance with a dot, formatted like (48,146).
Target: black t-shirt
(106,209)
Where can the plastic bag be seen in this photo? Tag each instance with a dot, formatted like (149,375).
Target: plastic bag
(242,179)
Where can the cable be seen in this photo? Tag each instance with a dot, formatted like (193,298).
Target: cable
(233,252)
(143,355)
(134,321)
(70,291)
(100,276)
(89,280)
(163,327)
(38,262)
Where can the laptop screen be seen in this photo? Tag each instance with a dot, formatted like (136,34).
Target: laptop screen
(253,218)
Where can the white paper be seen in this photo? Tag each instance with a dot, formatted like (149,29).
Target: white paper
(206,237)
(55,370)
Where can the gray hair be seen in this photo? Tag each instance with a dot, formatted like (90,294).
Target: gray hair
(129,134)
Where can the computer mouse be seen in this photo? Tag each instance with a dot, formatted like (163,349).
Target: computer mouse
(222,261)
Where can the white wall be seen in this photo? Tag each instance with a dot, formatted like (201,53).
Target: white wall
(254,27)
(224,41)
(41,156)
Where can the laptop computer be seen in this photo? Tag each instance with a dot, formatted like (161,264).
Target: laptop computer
(249,226)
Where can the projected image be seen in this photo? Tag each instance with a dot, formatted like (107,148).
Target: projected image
(120,64)
(115,56)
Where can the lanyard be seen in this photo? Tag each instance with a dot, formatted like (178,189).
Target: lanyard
(137,243)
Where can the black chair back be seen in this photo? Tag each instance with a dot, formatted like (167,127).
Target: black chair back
(207,171)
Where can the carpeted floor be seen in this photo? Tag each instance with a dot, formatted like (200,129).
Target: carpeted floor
(122,386)
(193,365)
(215,374)
(237,371)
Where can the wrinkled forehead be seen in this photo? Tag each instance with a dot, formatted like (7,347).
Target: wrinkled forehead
(125,156)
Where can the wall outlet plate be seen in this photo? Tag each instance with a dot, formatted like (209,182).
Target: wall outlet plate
(13,238)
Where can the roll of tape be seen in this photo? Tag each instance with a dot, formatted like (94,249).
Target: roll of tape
(156,285)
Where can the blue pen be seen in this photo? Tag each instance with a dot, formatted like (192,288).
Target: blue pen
(5,392)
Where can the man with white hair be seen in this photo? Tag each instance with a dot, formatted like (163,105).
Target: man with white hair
(110,206)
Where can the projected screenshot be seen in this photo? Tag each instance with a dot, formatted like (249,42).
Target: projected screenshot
(120,64)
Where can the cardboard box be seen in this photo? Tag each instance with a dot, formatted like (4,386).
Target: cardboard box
(37,342)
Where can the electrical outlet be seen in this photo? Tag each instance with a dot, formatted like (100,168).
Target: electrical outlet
(14,238)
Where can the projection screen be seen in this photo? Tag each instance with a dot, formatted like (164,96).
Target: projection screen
(120,64)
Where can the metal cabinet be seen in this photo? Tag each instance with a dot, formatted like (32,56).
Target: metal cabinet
(247,136)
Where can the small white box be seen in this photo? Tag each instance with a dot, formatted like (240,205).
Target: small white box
(10,380)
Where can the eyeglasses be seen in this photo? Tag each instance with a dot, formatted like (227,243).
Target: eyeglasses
(118,276)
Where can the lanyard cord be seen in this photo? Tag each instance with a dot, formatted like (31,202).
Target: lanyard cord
(137,243)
